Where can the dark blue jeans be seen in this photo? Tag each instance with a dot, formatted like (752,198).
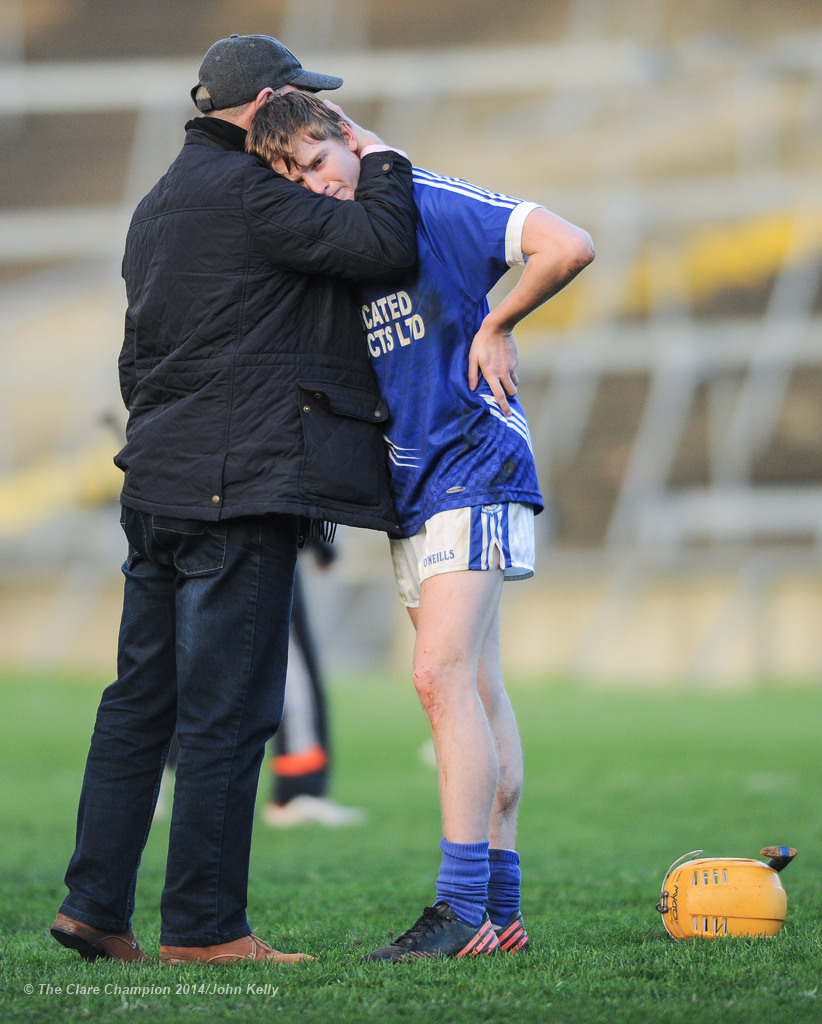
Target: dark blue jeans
(203,647)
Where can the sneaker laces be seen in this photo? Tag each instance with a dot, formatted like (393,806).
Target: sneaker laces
(427,923)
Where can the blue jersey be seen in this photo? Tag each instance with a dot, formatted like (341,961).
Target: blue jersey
(449,447)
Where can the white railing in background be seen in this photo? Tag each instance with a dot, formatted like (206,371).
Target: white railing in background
(554,92)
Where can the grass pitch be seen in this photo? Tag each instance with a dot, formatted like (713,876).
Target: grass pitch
(618,786)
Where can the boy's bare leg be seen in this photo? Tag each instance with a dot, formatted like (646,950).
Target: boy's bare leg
(502,834)
(457,611)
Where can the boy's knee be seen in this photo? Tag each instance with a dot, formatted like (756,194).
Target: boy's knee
(509,787)
(427,687)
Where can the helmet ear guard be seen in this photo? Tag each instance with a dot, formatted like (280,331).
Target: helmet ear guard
(711,897)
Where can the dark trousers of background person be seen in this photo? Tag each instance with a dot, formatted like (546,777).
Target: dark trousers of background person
(301,761)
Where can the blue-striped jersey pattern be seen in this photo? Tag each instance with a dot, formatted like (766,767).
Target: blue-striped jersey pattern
(448,447)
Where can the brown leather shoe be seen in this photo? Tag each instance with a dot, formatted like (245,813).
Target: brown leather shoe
(95,943)
(249,947)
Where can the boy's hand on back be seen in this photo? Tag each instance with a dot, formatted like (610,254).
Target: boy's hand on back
(556,252)
(493,354)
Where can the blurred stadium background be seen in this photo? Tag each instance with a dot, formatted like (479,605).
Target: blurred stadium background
(674,391)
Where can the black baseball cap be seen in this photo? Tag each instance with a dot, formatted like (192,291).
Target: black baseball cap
(235,70)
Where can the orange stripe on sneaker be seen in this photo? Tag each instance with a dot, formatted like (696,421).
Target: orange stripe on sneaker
(312,759)
(490,943)
(469,949)
(485,941)
(513,937)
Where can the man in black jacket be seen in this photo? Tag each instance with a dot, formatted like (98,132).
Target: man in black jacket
(252,412)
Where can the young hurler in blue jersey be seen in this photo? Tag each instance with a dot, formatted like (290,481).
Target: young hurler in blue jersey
(465,489)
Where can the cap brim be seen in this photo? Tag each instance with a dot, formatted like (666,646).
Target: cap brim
(314,82)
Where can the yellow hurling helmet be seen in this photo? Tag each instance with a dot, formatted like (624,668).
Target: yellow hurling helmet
(708,898)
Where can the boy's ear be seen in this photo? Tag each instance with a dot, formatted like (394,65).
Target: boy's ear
(349,136)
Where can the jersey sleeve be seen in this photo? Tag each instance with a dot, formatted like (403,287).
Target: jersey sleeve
(474,234)
(513,234)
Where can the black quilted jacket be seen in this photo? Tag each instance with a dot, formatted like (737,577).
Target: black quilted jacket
(244,367)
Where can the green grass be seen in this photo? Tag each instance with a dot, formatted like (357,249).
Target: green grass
(618,785)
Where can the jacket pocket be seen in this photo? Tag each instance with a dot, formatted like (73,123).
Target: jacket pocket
(344,459)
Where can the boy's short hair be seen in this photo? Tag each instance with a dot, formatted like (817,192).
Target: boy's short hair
(283,120)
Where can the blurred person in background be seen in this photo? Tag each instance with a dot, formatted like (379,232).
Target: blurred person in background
(301,764)
(465,489)
(253,418)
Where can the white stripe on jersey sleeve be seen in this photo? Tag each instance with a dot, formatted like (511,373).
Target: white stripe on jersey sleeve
(514,256)
(464,188)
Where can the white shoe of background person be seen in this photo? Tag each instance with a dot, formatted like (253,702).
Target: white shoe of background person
(318,810)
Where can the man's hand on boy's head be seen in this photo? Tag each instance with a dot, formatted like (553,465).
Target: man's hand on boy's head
(363,136)
(493,354)
(337,109)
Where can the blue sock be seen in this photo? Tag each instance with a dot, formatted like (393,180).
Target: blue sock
(463,879)
(503,885)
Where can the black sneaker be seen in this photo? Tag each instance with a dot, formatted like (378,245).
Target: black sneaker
(512,936)
(439,932)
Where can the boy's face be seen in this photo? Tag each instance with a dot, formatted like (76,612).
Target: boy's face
(327,166)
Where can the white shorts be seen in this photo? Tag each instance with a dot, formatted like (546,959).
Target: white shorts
(466,538)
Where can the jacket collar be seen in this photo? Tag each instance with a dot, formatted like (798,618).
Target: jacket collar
(229,135)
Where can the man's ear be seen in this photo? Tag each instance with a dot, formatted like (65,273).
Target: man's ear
(349,136)
(263,96)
